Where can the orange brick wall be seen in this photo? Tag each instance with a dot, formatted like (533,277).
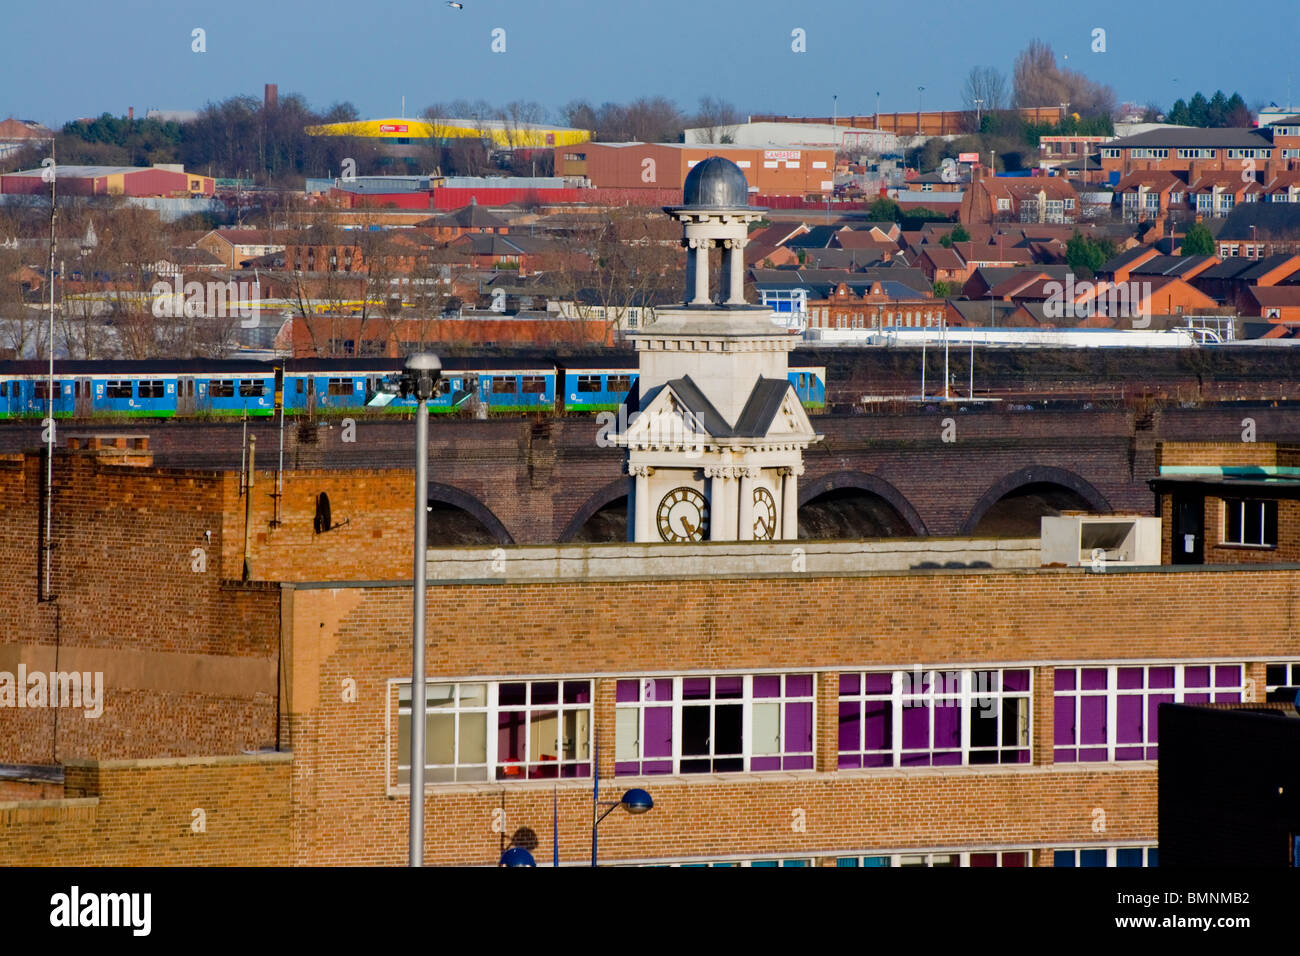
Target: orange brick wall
(141,813)
(581,629)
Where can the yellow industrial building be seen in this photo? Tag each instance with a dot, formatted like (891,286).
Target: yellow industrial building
(504,134)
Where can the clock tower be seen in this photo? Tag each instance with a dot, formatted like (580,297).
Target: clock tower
(715,449)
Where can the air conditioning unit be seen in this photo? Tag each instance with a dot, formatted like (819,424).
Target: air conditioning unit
(1084,540)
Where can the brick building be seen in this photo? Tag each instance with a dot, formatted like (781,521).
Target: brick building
(656,167)
(855,707)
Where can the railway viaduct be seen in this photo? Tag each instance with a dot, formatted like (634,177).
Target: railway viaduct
(983,469)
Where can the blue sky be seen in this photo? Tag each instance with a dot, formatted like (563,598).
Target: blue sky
(71,58)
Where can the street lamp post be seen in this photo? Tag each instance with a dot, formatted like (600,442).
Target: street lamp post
(635,801)
(419,380)
(978,104)
(919,90)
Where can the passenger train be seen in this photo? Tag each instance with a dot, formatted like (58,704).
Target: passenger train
(167,388)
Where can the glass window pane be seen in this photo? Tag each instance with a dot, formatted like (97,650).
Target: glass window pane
(627,743)
(658,740)
(546,692)
(1196,677)
(1128,678)
(1063,858)
(473,695)
(1064,678)
(849,684)
(695,730)
(798,727)
(727,729)
(543,733)
(1160,678)
(510,737)
(658,689)
(767,729)
(1128,856)
(577,735)
(1015,680)
(1095,678)
(767,685)
(728,687)
(511,695)
(577,691)
(879,683)
(1093,720)
(1092,857)
(440,739)
(439,695)
(798,685)
(473,738)
(850,726)
(627,691)
(696,688)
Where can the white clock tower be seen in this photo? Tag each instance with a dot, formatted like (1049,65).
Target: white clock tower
(716,450)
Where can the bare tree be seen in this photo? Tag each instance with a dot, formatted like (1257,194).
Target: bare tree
(987,86)
(1039,82)
(718,119)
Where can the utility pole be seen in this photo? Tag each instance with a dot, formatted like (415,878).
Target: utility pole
(47,593)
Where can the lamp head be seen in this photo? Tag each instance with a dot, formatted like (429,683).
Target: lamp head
(420,375)
(517,856)
(637,801)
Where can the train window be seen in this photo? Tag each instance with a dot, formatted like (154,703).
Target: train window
(42,388)
(222,388)
(251,387)
(4,389)
(534,384)
(589,383)
(300,384)
(120,389)
(620,383)
(152,388)
(339,386)
(502,384)
(803,380)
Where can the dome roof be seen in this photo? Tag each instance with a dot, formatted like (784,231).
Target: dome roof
(716,183)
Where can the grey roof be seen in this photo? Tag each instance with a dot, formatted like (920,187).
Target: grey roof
(698,404)
(817,237)
(1272,220)
(1193,137)
(977,311)
(1169,265)
(841,258)
(761,407)
(715,183)
(1229,268)
(755,418)
(1124,258)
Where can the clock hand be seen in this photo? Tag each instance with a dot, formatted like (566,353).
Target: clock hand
(690,529)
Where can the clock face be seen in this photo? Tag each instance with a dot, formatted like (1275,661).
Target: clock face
(683,516)
(764,515)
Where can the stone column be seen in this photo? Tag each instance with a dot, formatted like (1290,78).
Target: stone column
(644,518)
(719,495)
(745,522)
(736,259)
(790,503)
(702,247)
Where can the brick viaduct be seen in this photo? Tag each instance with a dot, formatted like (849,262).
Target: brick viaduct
(539,481)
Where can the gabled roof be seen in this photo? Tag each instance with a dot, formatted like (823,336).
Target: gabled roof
(942,258)
(818,237)
(1158,180)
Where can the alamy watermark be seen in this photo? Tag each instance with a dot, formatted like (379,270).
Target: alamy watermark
(1083,300)
(675,428)
(36,689)
(218,300)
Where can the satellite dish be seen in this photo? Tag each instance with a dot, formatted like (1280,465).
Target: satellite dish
(322,522)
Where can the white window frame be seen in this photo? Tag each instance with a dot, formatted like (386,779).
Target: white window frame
(746,700)
(1112,853)
(1112,693)
(1292,674)
(927,858)
(399,701)
(1263,522)
(940,686)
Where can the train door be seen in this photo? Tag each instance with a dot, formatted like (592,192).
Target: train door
(185,395)
(83,397)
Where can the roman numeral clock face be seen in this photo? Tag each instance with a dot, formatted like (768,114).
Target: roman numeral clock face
(683,516)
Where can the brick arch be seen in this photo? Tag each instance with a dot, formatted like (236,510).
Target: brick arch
(607,495)
(809,490)
(1035,475)
(466,502)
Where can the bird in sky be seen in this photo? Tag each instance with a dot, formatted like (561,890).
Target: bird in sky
(454,5)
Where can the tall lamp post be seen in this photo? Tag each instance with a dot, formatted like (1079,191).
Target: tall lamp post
(419,380)
(635,800)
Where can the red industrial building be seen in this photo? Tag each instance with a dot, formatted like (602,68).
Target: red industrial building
(656,167)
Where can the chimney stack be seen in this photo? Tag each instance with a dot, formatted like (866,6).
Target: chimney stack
(269,98)
(130,113)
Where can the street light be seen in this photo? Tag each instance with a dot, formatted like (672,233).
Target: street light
(919,91)
(419,379)
(635,801)
(978,104)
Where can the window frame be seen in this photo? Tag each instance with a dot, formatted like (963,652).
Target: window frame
(788,759)
(496,770)
(903,695)
(1111,695)
(1267,523)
